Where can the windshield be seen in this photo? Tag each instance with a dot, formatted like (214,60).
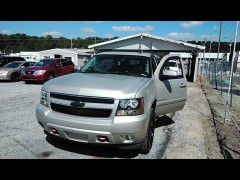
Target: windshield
(118,64)
(13,64)
(44,63)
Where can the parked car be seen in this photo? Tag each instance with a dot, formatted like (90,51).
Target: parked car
(47,69)
(113,100)
(12,70)
(7,59)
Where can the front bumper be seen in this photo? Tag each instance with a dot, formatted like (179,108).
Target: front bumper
(87,130)
(5,77)
(30,77)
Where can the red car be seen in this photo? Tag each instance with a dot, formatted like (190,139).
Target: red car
(47,69)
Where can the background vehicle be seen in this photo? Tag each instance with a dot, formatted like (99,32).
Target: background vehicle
(7,59)
(47,69)
(113,99)
(12,70)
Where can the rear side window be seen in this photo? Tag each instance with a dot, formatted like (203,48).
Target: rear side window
(66,62)
(10,59)
(20,59)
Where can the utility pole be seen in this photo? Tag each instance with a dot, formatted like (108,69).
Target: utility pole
(233,57)
(231,72)
(210,50)
(208,63)
(71,43)
(219,40)
(203,57)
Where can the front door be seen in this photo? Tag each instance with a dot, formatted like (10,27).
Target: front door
(171,88)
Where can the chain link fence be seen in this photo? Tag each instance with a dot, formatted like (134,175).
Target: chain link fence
(218,75)
(224,99)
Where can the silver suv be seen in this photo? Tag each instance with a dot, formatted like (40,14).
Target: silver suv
(113,99)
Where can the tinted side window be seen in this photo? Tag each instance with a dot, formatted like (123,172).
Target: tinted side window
(9,59)
(20,59)
(66,62)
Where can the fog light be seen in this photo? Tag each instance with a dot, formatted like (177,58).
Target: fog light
(131,137)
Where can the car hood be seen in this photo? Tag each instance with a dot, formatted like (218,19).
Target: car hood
(99,85)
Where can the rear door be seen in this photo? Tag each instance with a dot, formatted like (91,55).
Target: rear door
(57,68)
(67,66)
(171,90)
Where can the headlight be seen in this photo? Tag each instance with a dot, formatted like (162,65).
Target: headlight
(125,103)
(130,107)
(43,99)
(3,72)
(39,72)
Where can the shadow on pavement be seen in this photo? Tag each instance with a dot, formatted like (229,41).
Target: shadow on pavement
(91,150)
(163,121)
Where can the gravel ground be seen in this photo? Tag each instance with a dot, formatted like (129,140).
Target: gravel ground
(185,134)
(227,132)
(193,135)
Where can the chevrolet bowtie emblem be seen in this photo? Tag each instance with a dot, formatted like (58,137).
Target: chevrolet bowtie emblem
(77,104)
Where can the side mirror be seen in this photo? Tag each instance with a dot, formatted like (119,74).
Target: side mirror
(22,67)
(168,74)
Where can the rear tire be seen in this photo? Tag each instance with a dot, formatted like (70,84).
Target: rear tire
(148,141)
(14,77)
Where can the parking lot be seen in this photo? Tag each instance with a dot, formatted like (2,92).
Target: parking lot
(178,135)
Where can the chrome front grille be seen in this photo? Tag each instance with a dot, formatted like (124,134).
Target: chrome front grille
(86,112)
(82,98)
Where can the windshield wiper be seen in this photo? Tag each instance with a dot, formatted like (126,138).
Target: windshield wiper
(100,72)
(125,73)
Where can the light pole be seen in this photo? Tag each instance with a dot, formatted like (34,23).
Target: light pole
(208,63)
(210,50)
(231,73)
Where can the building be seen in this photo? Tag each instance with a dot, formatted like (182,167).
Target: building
(28,56)
(202,56)
(78,56)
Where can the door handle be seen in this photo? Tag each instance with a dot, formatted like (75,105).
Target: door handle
(182,85)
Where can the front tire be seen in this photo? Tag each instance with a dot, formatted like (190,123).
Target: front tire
(50,76)
(146,145)
(14,77)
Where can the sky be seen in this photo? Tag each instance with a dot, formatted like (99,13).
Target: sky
(176,30)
